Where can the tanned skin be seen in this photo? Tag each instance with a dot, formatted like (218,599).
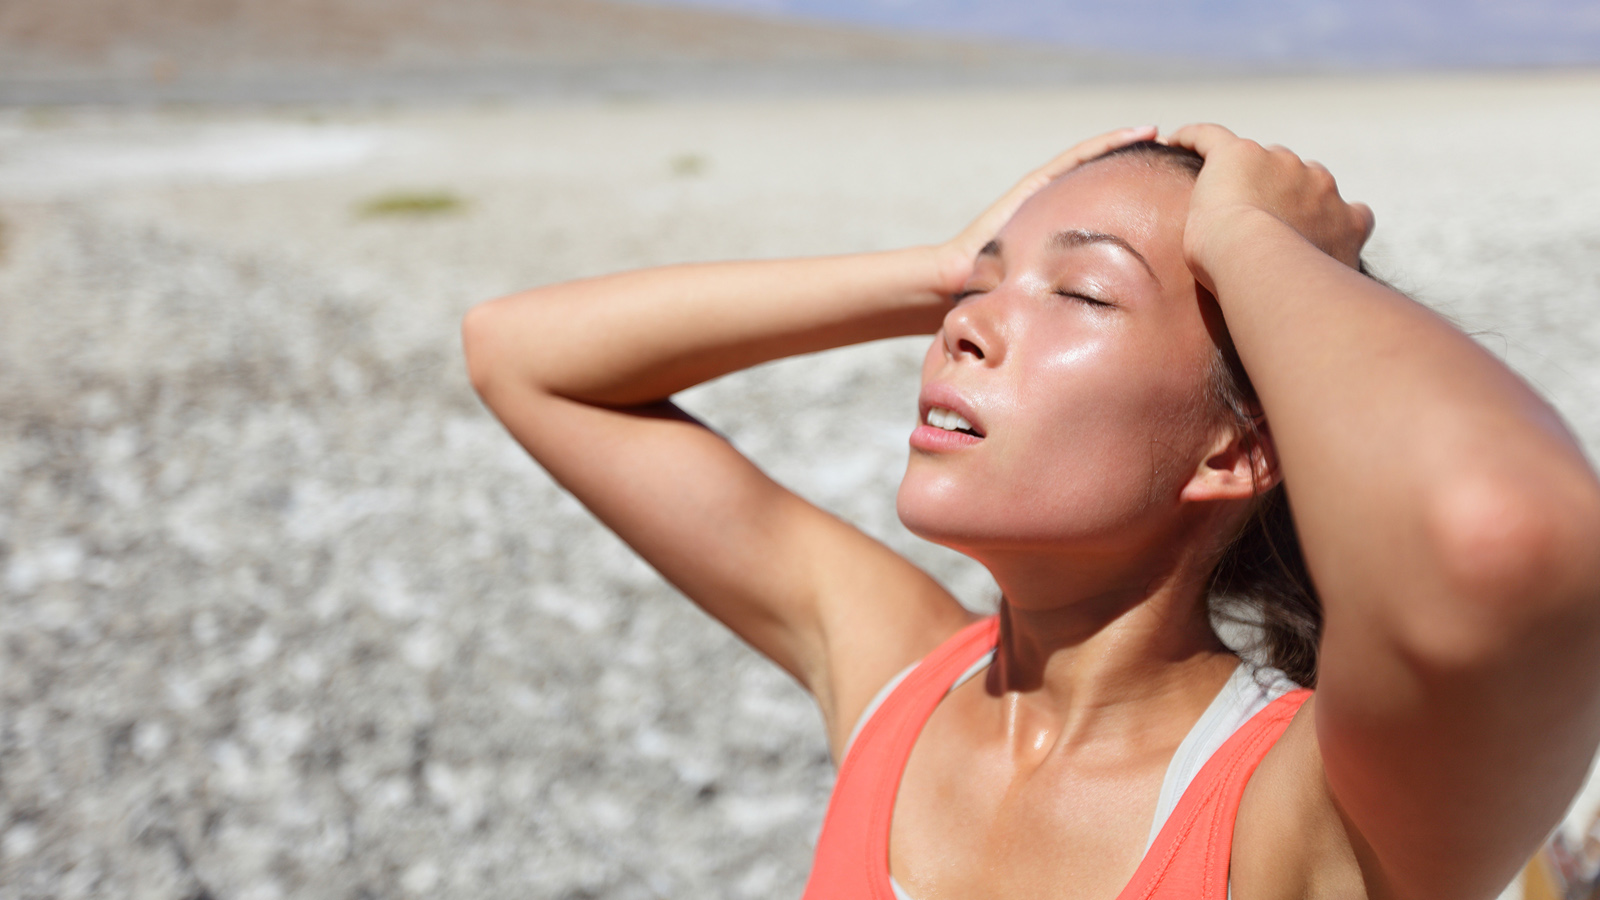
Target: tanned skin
(1449,520)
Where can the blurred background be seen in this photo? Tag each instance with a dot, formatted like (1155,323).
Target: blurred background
(285,614)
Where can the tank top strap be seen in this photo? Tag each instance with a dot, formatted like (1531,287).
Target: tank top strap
(852,857)
(1189,859)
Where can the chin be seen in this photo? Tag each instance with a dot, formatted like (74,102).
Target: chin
(921,505)
(977,520)
(936,511)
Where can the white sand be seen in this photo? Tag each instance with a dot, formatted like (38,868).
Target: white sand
(287,615)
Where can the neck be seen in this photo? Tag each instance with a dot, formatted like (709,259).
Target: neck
(1087,653)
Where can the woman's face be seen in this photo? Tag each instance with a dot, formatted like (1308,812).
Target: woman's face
(1080,358)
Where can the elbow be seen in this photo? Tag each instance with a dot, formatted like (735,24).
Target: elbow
(1518,566)
(480,345)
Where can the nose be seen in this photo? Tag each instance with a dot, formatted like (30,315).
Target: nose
(971,330)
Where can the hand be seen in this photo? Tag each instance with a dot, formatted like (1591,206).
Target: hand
(959,253)
(1241,176)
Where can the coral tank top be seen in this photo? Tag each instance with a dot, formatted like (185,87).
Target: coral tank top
(1187,861)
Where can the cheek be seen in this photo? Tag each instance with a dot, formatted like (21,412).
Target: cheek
(934,355)
(1097,436)
(1112,458)
(1095,425)
(1134,405)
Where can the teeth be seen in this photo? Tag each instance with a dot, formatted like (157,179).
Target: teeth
(947,420)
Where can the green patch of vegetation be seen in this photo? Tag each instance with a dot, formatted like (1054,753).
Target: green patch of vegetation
(412,203)
(688,165)
(44,117)
(630,98)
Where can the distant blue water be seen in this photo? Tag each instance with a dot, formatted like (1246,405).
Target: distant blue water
(1353,33)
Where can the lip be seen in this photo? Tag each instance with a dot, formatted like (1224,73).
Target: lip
(927,437)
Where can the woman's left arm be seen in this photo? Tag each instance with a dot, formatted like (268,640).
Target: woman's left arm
(1450,521)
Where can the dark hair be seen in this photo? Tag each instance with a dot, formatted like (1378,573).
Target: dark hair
(1260,581)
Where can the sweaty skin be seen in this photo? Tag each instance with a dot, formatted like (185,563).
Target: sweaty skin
(1080,351)
(1447,517)
(1085,367)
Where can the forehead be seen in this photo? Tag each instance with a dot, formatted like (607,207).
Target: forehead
(1143,204)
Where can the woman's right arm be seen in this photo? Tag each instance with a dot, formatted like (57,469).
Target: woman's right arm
(580,374)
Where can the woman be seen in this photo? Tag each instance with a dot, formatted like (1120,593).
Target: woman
(1087,434)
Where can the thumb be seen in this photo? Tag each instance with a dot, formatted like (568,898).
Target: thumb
(1366,218)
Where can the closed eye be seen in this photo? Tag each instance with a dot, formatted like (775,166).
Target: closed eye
(959,296)
(1092,301)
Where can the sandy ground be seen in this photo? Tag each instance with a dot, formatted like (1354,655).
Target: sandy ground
(285,614)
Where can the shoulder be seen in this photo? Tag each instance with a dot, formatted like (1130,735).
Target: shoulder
(869,645)
(1290,839)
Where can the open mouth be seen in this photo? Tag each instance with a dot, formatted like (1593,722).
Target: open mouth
(949,420)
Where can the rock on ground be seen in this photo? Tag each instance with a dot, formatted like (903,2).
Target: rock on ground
(285,613)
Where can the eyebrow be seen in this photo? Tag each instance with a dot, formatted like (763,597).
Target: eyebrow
(1078,237)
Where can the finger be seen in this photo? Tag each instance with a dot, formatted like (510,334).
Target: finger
(1122,137)
(1321,176)
(1368,219)
(1202,138)
(1284,155)
(1095,146)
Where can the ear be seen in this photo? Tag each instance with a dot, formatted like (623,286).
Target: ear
(1237,466)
